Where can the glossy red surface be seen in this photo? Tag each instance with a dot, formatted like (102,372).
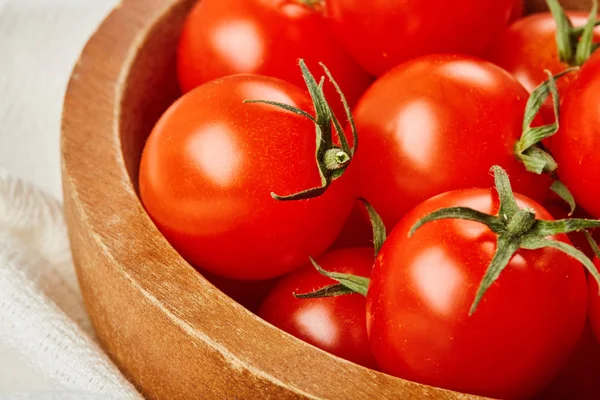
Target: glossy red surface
(436,124)
(335,324)
(422,288)
(208,170)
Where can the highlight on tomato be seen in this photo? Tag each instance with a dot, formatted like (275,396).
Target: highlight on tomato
(439,123)
(264,37)
(221,167)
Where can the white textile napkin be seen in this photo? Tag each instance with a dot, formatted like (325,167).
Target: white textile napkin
(42,317)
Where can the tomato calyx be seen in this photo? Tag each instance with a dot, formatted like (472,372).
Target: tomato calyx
(317,5)
(529,149)
(515,229)
(347,283)
(332,160)
(575,44)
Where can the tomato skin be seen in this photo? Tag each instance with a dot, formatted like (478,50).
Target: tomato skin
(594,303)
(575,146)
(435,124)
(579,379)
(264,37)
(419,28)
(422,288)
(517,11)
(208,170)
(248,294)
(335,324)
(357,231)
(528,48)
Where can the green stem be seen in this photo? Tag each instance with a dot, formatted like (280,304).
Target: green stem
(515,229)
(574,44)
(578,31)
(332,161)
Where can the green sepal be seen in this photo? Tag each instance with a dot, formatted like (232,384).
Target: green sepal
(379,230)
(536,243)
(325,122)
(328,291)
(592,243)
(562,191)
(585,46)
(574,44)
(515,229)
(529,149)
(563,31)
(505,249)
(358,284)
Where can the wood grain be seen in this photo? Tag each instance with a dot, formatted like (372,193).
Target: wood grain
(172,333)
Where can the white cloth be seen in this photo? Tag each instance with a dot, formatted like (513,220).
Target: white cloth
(42,317)
(47,348)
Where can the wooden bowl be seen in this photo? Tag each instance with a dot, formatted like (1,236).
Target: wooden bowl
(171,332)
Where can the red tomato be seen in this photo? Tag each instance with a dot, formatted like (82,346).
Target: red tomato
(576,145)
(209,168)
(594,303)
(248,294)
(265,37)
(385,33)
(435,124)
(334,324)
(517,11)
(422,288)
(579,379)
(528,47)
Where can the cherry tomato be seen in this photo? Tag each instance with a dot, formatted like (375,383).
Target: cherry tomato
(385,33)
(528,48)
(517,11)
(435,124)
(357,231)
(334,324)
(210,165)
(249,294)
(594,303)
(576,144)
(579,379)
(265,37)
(422,288)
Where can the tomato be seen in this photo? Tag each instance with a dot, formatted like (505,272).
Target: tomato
(517,11)
(576,144)
(248,294)
(435,124)
(385,33)
(422,288)
(595,303)
(579,379)
(357,231)
(210,165)
(528,48)
(334,324)
(560,210)
(265,37)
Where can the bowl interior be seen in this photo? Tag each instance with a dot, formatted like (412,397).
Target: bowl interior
(150,85)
